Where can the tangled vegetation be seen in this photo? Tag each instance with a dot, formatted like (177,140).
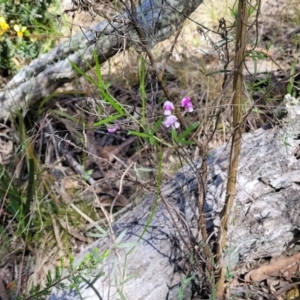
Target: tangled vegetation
(75,161)
(27,29)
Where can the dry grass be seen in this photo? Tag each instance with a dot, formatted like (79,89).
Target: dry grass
(193,58)
(184,67)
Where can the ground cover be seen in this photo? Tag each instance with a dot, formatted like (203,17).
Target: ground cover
(72,174)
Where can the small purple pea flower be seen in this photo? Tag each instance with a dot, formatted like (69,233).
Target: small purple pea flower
(113,129)
(168,107)
(171,121)
(187,104)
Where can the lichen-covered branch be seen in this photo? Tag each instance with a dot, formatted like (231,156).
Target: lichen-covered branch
(157,18)
(152,263)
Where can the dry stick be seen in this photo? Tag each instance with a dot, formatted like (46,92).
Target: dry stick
(182,220)
(202,187)
(202,178)
(120,191)
(241,31)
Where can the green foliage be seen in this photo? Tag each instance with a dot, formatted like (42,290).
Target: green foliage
(184,284)
(291,86)
(24,28)
(148,130)
(8,189)
(89,267)
(181,139)
(25,32)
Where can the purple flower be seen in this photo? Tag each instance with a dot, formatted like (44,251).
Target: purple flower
(113,129)
(168,107)
(171,121)
(187,104)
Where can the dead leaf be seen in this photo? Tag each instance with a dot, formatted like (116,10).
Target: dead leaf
(110,152)
(107,192)
(276,268)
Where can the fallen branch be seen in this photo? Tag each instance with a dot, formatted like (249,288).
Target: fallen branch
(264,222)
(157,19)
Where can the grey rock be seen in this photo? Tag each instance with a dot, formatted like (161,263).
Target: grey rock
(263,223)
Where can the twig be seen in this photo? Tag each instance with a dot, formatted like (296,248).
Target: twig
(241,34)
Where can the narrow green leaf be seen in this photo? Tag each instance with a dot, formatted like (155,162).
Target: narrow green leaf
(98,71)
(107,120)
(189,130)
(152,140)
(185,142)
(132,276)
(84,74)
(140,134)
(174,135)
(96,235)
(120,237)
(156,125)
(127,245)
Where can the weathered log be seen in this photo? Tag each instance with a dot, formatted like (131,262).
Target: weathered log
(264,221)
(158,20)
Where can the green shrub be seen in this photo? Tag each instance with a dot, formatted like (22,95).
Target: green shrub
(25,27)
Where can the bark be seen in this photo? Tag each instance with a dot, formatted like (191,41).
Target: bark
(264,222)
(158,20)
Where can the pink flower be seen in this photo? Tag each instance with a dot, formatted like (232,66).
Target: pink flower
(187,104)
(168,107)
(113,129)
(171,121)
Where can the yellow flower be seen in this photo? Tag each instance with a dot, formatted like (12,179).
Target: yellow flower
(3,26)
(19,30)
